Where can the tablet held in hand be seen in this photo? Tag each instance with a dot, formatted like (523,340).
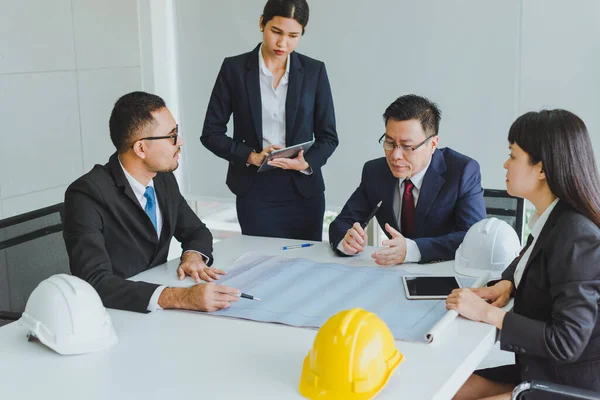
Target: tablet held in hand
(288,152)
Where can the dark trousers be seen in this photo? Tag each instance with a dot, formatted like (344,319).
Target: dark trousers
(274,208)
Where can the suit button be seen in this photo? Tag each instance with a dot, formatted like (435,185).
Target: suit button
(526,368)
(509,346)
(521,350)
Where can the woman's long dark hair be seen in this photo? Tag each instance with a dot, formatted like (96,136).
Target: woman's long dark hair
(560,140)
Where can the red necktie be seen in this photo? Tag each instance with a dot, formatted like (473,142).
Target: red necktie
(407,218)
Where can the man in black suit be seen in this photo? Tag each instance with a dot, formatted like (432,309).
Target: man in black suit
(121,217)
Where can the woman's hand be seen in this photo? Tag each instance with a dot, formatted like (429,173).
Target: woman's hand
(298,163)
(499,294)
(258,158)
(470,305)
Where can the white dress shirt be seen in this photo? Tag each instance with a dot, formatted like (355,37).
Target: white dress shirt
(273,103)
(413,254)
(138,191)
(536,224)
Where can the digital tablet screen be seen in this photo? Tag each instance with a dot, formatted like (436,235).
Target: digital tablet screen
(430,286)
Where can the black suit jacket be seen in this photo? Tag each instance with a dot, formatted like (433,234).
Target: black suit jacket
(450,202)
(109,237)
(308,108)
(554,328)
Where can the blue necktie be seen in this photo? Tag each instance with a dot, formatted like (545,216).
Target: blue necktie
(151,205)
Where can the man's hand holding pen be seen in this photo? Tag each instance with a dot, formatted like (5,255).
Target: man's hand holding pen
(355,240)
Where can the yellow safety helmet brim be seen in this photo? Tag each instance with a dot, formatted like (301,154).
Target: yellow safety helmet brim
(313,392)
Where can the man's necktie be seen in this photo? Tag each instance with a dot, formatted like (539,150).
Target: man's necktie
(407,217)
(151,205)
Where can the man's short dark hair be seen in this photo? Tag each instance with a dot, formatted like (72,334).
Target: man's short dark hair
(412,106)
(131,113)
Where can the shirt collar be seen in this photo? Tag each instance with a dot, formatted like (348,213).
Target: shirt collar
(138,188)
(265,70)
(417,179)
(536,223)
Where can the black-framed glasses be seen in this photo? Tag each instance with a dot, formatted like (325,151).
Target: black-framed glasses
(173,136)
(391,146)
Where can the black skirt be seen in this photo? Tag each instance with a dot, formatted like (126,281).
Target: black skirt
(274,208)
(510,374)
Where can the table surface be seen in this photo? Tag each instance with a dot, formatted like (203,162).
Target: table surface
(186,353)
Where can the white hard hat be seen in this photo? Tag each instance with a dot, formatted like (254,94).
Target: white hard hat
(66,314)
(488,247)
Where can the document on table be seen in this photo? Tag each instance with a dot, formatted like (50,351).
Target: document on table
(305,293)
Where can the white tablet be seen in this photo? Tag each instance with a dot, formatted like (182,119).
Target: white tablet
(429,287)
(288,152)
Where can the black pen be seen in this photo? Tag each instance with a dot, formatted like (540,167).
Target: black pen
(249,297)
(364,224)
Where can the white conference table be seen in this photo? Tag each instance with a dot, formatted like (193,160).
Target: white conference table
(178,354)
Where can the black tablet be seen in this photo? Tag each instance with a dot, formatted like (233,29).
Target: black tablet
(429,287)
(288,152)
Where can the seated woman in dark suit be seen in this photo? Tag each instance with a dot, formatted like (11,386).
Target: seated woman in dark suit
(278,98)
(554,327)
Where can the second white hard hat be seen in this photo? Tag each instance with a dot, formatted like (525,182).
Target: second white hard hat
(488,247)
(66,314)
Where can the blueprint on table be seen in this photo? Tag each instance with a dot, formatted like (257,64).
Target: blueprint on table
(306,293)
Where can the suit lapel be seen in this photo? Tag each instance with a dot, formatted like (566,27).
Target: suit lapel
(120,179)
(293,97)
(559,209)
(387,192)
(432,183)
(253,88)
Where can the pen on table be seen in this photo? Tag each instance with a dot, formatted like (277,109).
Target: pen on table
(297,246)
(364,224)
(249,297)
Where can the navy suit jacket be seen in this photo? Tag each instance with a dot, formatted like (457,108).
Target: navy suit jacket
(308,108)
(110,238)
(554,327)
(450,201)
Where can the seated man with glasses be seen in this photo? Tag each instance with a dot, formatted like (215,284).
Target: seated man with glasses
(120,217)
(429,197)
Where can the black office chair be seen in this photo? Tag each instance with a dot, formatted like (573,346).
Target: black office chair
(499,204)
(559,391)
(31,250)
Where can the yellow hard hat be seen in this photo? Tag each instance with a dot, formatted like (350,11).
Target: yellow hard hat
(352,358)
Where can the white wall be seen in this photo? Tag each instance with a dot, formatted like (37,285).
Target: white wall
(483,61)
(63,64)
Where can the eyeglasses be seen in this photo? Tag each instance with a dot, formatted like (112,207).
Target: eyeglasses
(391,146)
(173,136)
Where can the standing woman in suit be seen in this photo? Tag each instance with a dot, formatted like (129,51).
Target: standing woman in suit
(554,327)
(278,98)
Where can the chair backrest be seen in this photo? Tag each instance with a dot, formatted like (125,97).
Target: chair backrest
(31,249)
(499,204)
